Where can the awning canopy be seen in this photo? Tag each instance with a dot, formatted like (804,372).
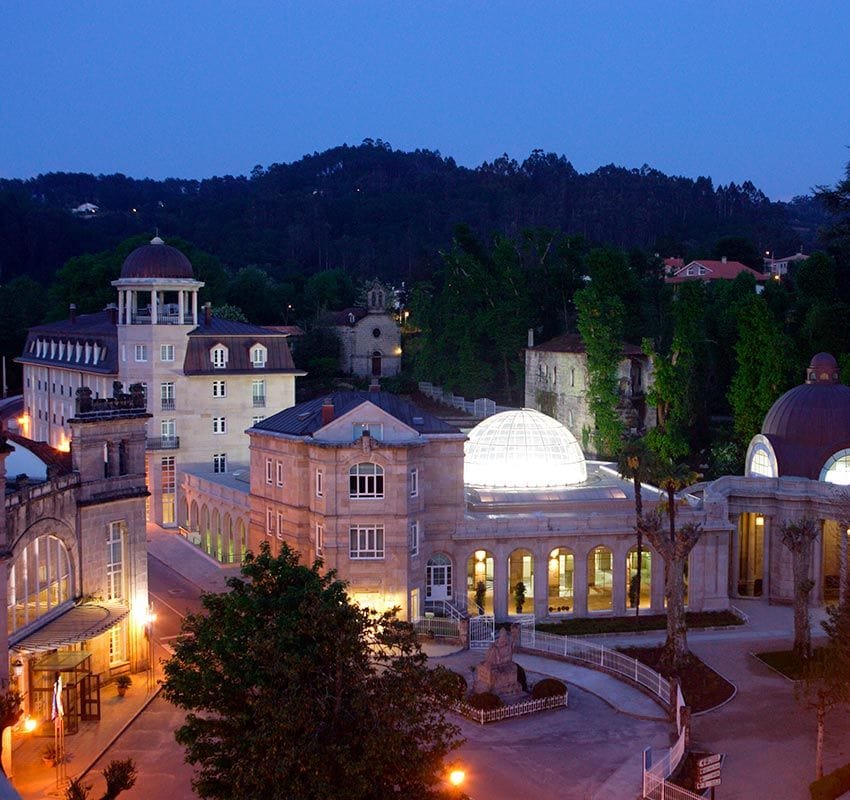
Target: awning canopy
(77,624)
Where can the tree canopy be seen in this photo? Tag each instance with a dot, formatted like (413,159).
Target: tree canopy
(294,691)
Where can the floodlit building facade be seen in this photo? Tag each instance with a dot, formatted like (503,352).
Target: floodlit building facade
(205,379)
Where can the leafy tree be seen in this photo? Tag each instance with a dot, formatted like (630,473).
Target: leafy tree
(120,776)
(227,311)
(674,546)
(293,691)
(739,248)
(257,294)
(763,366)
(799,537)
(330,289)
(637,462)
(22,305)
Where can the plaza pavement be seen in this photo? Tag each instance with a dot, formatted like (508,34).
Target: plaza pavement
(767,738)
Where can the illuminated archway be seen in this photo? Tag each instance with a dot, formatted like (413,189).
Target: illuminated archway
(479,582)
(560,581)
(600,596)
(645,578)
(520,571)
(40,581)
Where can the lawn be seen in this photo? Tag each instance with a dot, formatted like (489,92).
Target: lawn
(786,662)
(585,626)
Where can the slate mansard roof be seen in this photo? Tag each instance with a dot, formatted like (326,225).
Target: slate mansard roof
(305,418)
(78,338)
(238,338)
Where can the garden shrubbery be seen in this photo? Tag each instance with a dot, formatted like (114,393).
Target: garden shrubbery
(548,687)
(485,701)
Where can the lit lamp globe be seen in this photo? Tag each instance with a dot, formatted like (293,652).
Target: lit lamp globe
(522,449)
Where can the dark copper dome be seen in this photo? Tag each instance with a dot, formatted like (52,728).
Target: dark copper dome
(156,260)
(809,423)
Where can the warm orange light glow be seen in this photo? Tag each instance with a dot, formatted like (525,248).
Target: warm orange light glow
(480,555)
(150,618)
(759,519)
(64,445)
(457,776)
(30,724)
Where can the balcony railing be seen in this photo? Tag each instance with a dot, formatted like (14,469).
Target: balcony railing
(163,442)
(162,318)
(168,403)
(260,402)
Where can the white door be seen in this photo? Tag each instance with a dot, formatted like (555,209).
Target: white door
(438,578)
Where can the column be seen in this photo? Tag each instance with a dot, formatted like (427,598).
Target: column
(180,319)
(816,596)
(765,568)
(541,582)
(580,583)
(619,579)
(735,558)
(120,306)
(195,308)
(500,585)
(153,306)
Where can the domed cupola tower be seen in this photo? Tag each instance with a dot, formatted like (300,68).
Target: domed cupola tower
(806,433)
(157,287)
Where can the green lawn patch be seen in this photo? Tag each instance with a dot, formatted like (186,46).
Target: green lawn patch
(585,626)
(786,662)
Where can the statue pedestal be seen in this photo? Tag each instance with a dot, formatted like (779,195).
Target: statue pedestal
(498,673)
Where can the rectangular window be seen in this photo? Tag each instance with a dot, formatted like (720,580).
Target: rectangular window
(269,469)
(320,539)
(279,473)
(258,393)
(118,644)
(169,487)
(166,352)
(256,420)
(219,425)
(258,357)
(374,429)
(414,538)
(366,541)
(320,483)
(414,483)
(219,357)
(167,429)
(123,353)
(219,389)
(219,462)
(269,521)
(280,525)
(366,481)
(166,395)
(141,352)
(115,560)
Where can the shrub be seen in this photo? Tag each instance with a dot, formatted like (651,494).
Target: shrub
(485,701)
(548,687)
(455,684)
(123,681)
(522,678)
(832,785)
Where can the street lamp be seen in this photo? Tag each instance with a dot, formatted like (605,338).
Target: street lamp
(150,618)
(456,777)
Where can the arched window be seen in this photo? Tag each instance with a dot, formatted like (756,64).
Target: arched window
(39,581)
(599,579)
(837,468)
(645,578)
(366,481)
(259,356)
(560,581)
(760,463)
(479,582)
(520,582)
(218,356)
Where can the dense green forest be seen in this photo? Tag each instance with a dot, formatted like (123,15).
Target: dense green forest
(371,210)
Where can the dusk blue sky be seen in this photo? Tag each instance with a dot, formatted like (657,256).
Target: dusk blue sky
(734,90)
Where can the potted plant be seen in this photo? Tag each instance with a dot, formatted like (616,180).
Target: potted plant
(49,754)
(480,594)
(123,682)
(519,596)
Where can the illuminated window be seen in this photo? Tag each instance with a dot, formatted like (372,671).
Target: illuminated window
(115,560)
(837,469)
(366,481)
(39,581)
(760,463)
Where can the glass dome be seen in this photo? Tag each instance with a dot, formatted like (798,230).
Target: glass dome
(522,450)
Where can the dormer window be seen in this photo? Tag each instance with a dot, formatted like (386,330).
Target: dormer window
(218,356)
(373,429)
(259,354)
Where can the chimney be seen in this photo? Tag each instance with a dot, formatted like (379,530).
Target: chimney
(723,259)
(112,311)
(327,411)
(72,313)
(374,386)
(207,313)
(531,337)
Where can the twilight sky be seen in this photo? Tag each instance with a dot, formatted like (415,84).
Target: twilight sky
(193,88)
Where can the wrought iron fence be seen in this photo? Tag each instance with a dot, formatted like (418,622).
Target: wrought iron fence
(482,716)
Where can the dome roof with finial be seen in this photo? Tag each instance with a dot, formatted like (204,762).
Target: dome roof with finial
(156,260)
(810,422)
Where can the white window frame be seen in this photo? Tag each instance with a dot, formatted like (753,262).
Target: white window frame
(219,425)
(414,482)
(219,356)
(280,525)
(140,352)
(256,420)
(269,468)
(259,356)
(115,583)
(278,472)
(219,389)
(414,537)
(166,352)
(366,481)
(320,483)
(220,463)
(375,429)
(320,539)
(366,542)
(269,521)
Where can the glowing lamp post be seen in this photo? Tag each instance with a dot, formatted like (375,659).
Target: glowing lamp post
(150,618)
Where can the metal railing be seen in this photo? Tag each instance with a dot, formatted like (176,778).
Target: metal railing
(437,626)
(260,402)
(655,785)
(163,443)
(444,608)
(168,403)
(598,656)
(482,716)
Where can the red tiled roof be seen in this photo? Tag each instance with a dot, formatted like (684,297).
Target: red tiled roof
(716,270)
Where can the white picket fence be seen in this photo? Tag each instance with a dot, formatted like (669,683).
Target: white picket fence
(513,710)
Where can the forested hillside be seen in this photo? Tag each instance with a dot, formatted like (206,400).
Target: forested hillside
(372,210)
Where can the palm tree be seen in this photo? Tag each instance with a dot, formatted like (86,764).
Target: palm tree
(674,546)
(636,462)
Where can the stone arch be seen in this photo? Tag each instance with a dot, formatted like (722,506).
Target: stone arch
(520,570)
(480,567)
(560,576)
(631,567)
(215,543)
(600,577)
(205,527)
(193,516)
(229,547)
(241,539)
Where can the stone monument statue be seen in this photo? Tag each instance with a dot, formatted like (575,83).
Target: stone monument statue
(498,673)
